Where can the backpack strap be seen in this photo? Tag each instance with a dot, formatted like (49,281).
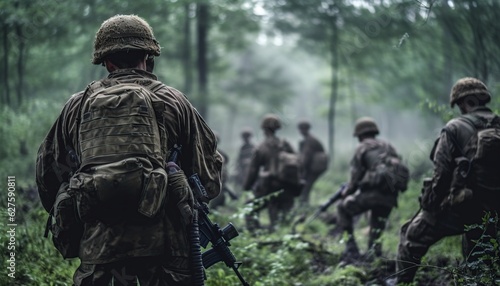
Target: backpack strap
(474,121)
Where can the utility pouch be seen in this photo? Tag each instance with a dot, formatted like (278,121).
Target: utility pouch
(459,192)
(108,191)
(154,193)
(64,224)
(427,198)
(122,180)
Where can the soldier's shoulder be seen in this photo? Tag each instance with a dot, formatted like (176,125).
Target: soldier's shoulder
(456,124)
(74,101)
(166,89)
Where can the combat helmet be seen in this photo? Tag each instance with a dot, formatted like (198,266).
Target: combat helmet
(304,124)
(365,125)
(469,86)
(246,132)
(271,122)
(121,33)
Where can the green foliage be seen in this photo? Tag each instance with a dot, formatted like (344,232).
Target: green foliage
(308,256)
(482,266)
(37,261)
(21,132)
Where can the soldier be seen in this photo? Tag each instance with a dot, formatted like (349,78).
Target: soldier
(220,200)
(244,156)
(147,243)
(465,184)
(313,160)
(263,179)
(364,191)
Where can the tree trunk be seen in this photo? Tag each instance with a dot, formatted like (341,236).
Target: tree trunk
(448,62)
(202,31)
(186,55)
(334,65)
(20,63)
(5,77)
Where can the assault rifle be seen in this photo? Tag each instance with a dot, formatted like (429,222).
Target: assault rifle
(204,232)
(337,196)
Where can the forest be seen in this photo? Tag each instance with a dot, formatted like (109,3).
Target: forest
(326,61)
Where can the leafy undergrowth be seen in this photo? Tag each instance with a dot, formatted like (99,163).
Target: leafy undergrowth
(295,254)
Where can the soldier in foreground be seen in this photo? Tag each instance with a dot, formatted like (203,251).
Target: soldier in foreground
(370,187)
(465,185)
(107,151)
(263,176)
(313,160)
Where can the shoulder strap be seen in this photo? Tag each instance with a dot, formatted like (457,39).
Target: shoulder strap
(474,121)
(89,90)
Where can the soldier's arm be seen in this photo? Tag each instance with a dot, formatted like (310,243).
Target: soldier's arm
(307,156)
(199,147)
(444,165)
(54,163)
(253,171)
(356,173)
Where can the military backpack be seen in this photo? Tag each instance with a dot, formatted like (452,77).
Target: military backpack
(122,146)
(485,162)
(387,171)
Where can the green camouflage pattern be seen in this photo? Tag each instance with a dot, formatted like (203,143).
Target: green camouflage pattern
(262,182)
(365,125)
(439,218)
(243,161)
(121,33)
(309,147)
(379,201)
(469,86)
(134,234)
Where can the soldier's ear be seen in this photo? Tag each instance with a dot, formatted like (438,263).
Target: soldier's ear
(110,66)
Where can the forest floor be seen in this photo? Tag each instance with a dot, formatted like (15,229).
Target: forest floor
(294,254)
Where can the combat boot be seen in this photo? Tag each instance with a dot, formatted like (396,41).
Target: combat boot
(351,253)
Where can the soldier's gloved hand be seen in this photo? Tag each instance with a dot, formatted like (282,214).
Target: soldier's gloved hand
(181,194)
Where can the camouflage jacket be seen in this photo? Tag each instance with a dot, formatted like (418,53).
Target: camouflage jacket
(366,157)
(225,164)
(244,157)
(264,156)
(452,143)
(307,148)
(138,236)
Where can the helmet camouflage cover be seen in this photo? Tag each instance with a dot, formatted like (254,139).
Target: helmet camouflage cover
(365,125)
(469,86)
(246,132)
(304,124)
(271,122)
(121,33)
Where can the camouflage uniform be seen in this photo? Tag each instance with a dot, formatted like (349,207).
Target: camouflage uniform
(360,199)
(244,158)
(220,200)
(265,184)
(156,250)
(437,219)
(262,181)
(450,201)
(307,148)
